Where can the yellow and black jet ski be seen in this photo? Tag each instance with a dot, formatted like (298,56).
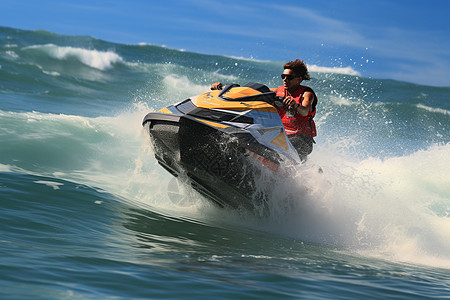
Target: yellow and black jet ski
(220,140)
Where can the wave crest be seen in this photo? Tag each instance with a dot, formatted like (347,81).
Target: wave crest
(433,109)
(101,60)
(345,71)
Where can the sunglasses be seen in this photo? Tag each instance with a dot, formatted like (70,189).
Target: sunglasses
(288,77)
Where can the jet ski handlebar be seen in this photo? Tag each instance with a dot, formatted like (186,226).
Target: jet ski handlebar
(267,95)
(278,101)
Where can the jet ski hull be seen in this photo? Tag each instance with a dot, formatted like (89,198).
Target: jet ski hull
(221,146)
(217,165)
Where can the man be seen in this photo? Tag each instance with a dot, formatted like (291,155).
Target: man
(299,106)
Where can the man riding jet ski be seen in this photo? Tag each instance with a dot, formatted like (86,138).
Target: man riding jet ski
(222,140)
(299,106)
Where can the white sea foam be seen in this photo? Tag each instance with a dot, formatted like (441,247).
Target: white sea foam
(181,87)
(396,209)
(5,168)
(344,70)
(248,59)
(101,60)
(434,109)
(50,73)
(12,54)
(222,77)
(340,100)
(52,184)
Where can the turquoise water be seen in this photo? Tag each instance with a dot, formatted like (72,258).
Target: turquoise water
(86,211)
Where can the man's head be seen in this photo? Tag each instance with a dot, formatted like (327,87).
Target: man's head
(299,68)
(293,74)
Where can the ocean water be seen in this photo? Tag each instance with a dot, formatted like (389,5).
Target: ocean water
(87,213)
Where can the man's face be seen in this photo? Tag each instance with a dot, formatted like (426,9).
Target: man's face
(289,80)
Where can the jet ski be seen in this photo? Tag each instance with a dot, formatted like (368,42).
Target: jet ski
(221,141)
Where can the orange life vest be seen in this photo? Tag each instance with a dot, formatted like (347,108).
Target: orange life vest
(298,124)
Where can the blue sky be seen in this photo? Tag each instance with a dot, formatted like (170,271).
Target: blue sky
(402,40)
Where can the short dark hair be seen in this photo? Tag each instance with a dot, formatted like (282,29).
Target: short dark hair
(299,68)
